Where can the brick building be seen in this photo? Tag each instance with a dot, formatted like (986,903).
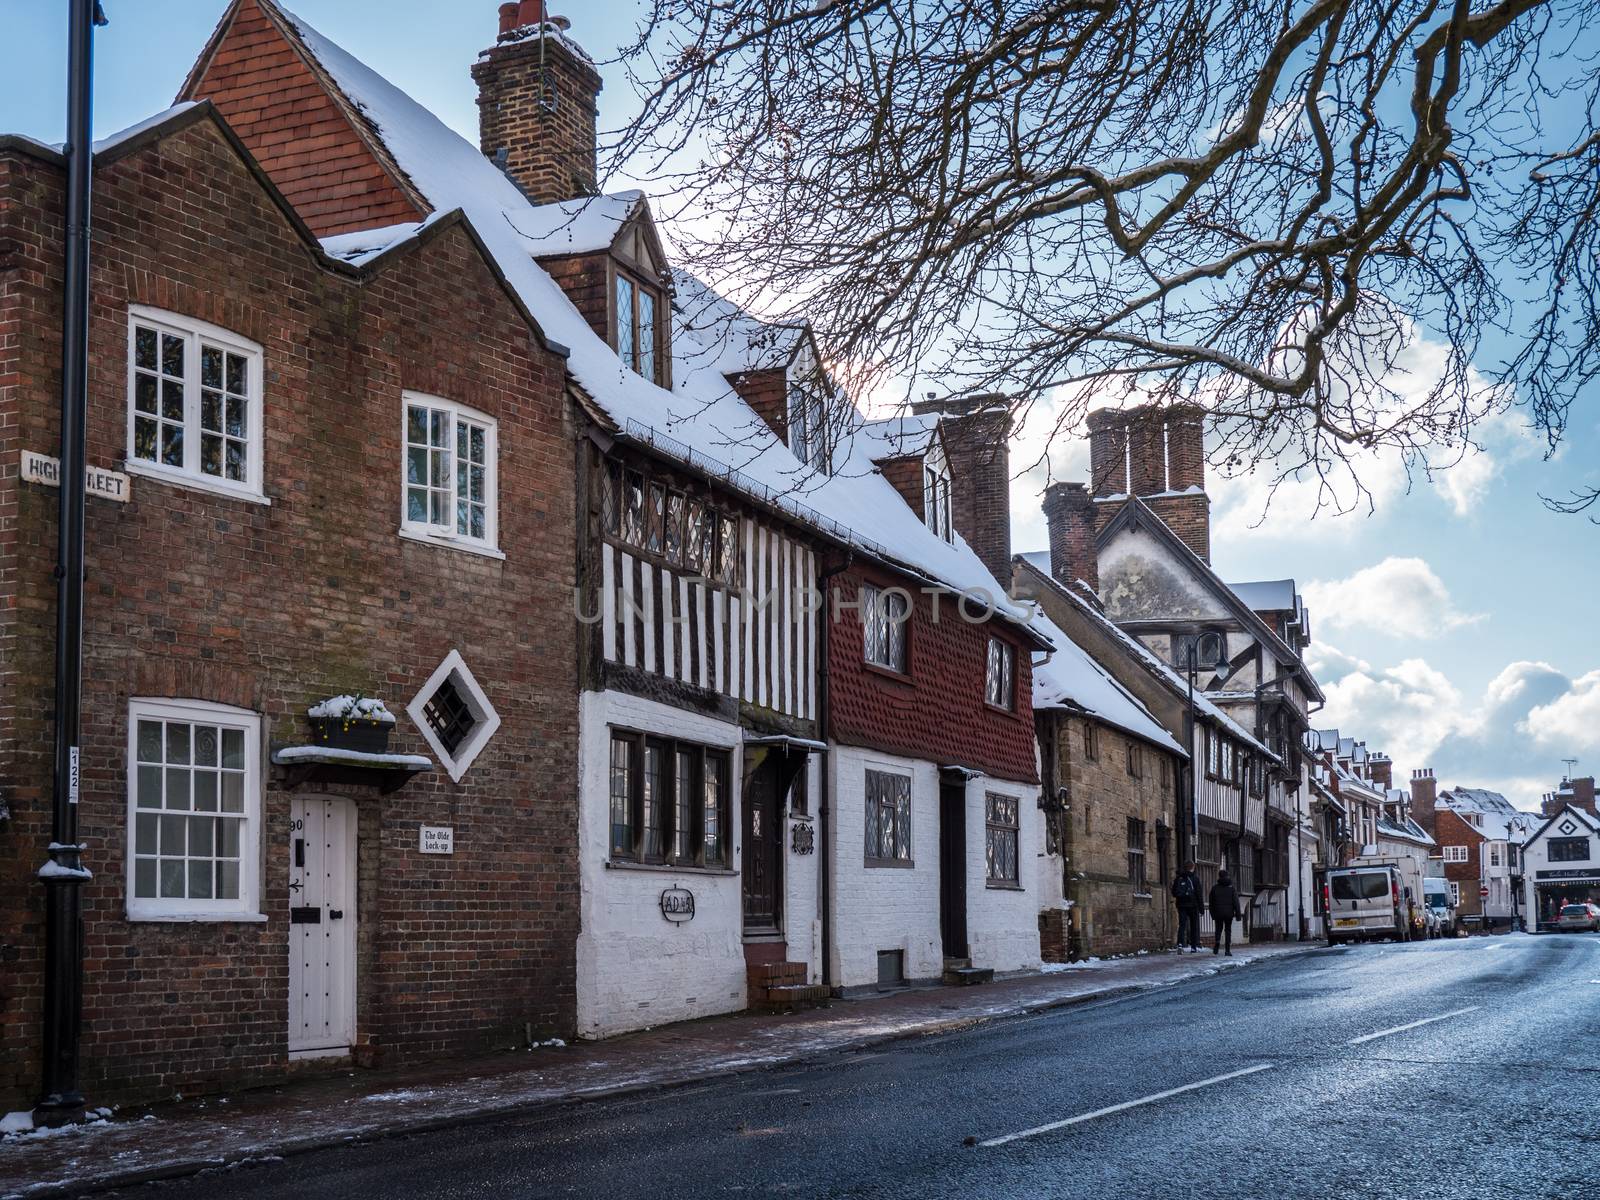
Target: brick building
(1480,836)
(259,392)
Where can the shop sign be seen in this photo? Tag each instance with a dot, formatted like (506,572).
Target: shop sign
(677,905)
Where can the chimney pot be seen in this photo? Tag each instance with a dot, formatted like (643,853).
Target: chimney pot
(508,18)
(530,12)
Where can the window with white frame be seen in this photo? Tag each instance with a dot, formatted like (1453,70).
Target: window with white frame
(1455,894)
(884,613)
(454,715)
(936,495)
(1455,854)
(194,810)
(1000,674)
(194,402)
(450,472)
(1494,856)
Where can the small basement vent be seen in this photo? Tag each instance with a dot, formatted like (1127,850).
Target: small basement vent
(891,968)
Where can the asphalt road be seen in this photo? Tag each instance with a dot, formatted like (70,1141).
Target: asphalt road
(1463,1068)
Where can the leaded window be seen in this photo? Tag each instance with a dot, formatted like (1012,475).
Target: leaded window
(449,715)
(639,338)
(1000,674)
(884,614)
(449,472)
(888,817)
(1567,849)
(194,402)
(1000,815)
(668,801)
(194,808)
(936,501)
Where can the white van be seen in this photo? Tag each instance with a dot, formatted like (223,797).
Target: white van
(1436,895)
(1365,902)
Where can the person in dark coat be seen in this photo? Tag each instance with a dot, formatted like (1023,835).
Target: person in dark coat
(1224,908)
(1186,895)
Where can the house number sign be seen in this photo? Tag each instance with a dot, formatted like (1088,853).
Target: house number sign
(677,905)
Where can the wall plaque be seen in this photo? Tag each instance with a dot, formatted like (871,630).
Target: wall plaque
(677,905)
(437,839)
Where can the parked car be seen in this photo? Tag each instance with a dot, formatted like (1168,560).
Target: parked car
(1578,917)
(1433,922)
(1365,902)
(1436,894)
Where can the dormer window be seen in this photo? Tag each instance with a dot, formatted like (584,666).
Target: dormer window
(638,314)
(808,428)
(936,498)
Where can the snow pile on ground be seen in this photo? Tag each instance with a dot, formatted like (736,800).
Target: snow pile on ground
(1081,965)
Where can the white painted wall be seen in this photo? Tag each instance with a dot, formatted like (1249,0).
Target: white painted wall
(1003,923)
(636,968)
(883,908)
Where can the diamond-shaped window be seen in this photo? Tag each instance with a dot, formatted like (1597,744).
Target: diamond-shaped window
(454,715)
(1567,827)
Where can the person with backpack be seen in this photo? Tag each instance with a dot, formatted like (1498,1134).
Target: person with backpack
(1186,895)
(1224,909)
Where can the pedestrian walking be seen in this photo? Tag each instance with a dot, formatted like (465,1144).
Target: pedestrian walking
(1186,895)
(1224,908)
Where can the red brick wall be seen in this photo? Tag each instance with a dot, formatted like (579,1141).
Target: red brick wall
(1070,515)
(1451,829)
(767,392)
(536,100)
(980,483)
(274,606)
(936,711)
(1164,448)
(586,280)
(303,139)
(905,476)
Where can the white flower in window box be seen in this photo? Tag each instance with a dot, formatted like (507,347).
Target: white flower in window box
(352,723)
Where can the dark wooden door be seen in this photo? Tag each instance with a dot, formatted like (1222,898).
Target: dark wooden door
(953,868)
(763,850)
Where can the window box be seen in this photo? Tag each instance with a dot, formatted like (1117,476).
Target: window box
(352,723)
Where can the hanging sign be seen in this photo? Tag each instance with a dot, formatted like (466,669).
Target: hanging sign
(437,839)
(108,485)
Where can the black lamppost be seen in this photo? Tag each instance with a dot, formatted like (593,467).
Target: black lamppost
(63,874)
(1209,651)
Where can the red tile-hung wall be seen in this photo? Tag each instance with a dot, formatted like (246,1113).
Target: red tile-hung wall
(936,711)
(299,134)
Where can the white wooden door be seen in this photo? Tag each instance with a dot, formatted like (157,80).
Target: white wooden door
(322,926)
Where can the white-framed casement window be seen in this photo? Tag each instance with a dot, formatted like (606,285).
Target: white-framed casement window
(194,403)
(936,495)
(450,483)
(1455,894)
(1456,854)
(194,811)
(884,614)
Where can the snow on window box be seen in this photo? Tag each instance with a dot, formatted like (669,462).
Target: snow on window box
(352,723)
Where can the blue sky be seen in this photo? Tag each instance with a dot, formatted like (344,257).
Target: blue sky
(1452,624)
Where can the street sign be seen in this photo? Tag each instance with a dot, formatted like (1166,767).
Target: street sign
(108,485)
(1483,892)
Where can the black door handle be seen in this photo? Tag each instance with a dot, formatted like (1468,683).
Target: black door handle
(336,914)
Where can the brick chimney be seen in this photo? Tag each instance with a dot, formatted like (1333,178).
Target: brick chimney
(1069,514)
(536,105)
(1583,794)
(1157,453)
(976,430)
(1381,770)
(1424,795)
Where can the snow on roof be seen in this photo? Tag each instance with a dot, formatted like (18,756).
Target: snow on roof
(1266,595)
(1072,678)
(724,339)
(1498,819)
(366,244)
(581,226)
(134,130)
(702,418)
(1153,664)
(895,437)
(1409,830)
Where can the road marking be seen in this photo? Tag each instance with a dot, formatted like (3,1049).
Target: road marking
(1367,1037)
(1124,1106)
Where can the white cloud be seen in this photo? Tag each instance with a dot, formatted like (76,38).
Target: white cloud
(1511,739)
(1402,597)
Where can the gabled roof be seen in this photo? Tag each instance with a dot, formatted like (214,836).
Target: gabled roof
(1141,654)
(1073,680)
(1590,823)
(701,421)
(582,226)
(1135,513)
(725,338)
(905,436)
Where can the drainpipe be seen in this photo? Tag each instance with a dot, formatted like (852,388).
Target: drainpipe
(63,875)
(824,775)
